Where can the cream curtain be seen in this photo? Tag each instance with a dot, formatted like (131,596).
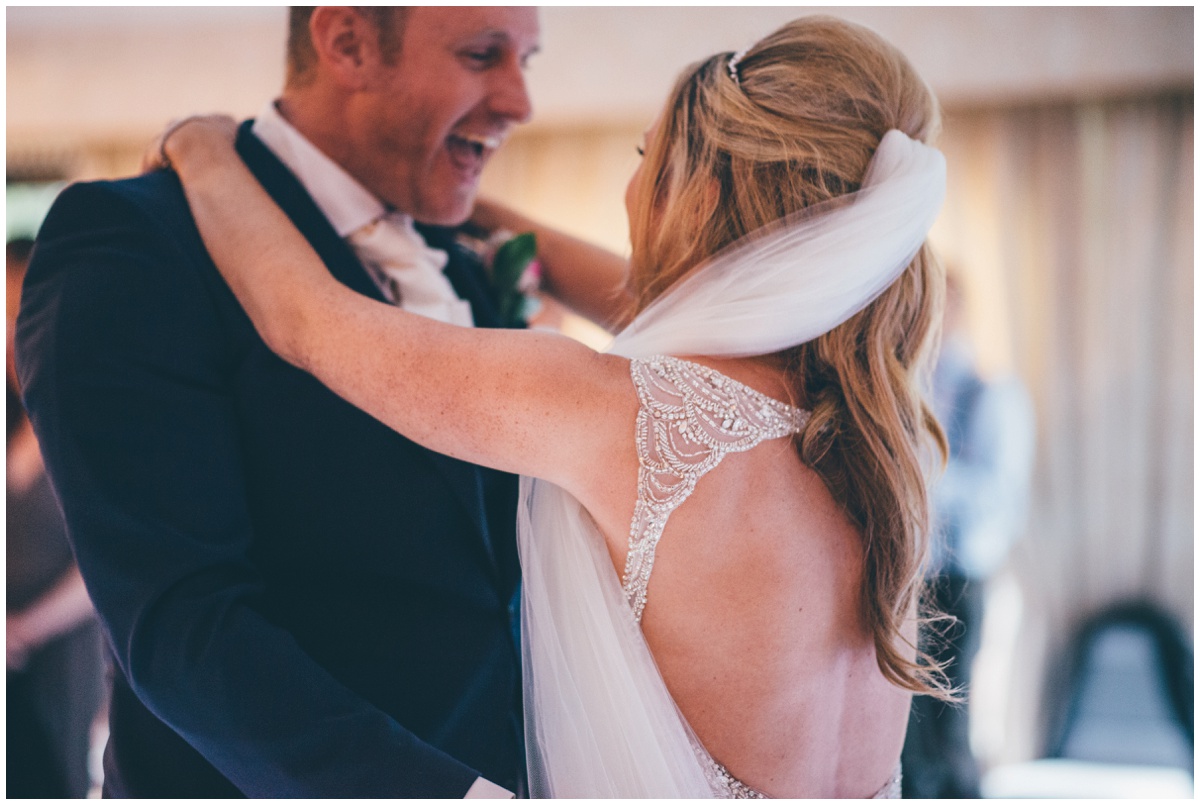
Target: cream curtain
(1074,227)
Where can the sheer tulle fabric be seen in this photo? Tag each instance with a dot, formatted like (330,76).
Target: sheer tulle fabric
(809,274)
(599,719)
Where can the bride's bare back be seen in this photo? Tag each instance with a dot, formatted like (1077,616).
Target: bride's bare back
(753,617)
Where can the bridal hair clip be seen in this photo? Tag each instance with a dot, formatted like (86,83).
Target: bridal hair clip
(733,65)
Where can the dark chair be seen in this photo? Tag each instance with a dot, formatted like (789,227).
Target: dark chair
(1130,692)
(1121,715)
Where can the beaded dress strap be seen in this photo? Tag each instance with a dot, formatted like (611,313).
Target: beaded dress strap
(690,417)
(726,786)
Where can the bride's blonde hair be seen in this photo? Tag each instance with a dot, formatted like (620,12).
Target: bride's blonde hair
(799,126)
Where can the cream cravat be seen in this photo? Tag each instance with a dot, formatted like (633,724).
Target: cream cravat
(408,271)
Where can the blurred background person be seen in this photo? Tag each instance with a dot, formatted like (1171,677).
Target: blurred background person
(980,504)
(52,640)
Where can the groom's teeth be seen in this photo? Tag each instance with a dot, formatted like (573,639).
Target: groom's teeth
(489,143)
(469,151)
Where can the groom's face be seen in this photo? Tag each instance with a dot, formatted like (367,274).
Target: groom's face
(441,109)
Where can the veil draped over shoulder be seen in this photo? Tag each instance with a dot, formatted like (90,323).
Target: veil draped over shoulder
(599,719)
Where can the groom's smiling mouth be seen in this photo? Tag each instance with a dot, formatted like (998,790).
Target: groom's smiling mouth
(468,152)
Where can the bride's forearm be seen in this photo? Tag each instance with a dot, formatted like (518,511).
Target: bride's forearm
(521,401)
(246,232)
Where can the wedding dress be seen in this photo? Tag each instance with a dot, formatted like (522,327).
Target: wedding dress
(600,721)
(689,418)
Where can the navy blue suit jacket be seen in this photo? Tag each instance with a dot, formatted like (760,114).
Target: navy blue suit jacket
(300,602)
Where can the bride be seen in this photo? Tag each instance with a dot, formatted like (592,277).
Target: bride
(723,518)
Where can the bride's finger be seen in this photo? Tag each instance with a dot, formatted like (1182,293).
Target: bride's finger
(156,155)
(153,157)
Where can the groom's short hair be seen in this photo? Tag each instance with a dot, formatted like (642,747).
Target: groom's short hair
(302,57)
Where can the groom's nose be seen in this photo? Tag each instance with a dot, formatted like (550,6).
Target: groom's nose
(508,96)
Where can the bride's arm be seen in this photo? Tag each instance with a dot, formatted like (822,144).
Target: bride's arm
(587,278)
(527,402)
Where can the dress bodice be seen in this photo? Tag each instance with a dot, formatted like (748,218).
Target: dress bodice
(689,418)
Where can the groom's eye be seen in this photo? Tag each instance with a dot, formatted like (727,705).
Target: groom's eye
(482,58)
(641,151)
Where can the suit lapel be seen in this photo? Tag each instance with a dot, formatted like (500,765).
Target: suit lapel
(282,185)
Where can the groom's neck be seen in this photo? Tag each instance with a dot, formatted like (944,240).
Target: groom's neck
(322,120)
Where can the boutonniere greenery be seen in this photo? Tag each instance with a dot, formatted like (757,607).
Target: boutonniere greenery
(516,275)
(513,269)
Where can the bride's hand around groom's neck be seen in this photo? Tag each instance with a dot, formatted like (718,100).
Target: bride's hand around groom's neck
(186,134)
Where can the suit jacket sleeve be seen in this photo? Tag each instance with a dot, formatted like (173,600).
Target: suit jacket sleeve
(124,353)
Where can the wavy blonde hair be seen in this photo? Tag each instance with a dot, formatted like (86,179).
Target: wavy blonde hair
(799,127)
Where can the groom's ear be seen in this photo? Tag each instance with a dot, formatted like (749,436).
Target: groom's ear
(346,43)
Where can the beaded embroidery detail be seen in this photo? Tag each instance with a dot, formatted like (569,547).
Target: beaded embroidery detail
(726,786)
(689,419)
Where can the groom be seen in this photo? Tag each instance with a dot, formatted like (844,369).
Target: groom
(299,601)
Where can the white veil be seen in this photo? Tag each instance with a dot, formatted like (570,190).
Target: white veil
(599,719)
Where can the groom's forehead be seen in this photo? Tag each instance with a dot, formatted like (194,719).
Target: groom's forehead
(515,26)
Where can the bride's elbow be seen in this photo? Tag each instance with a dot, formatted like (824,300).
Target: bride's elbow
(287,331)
